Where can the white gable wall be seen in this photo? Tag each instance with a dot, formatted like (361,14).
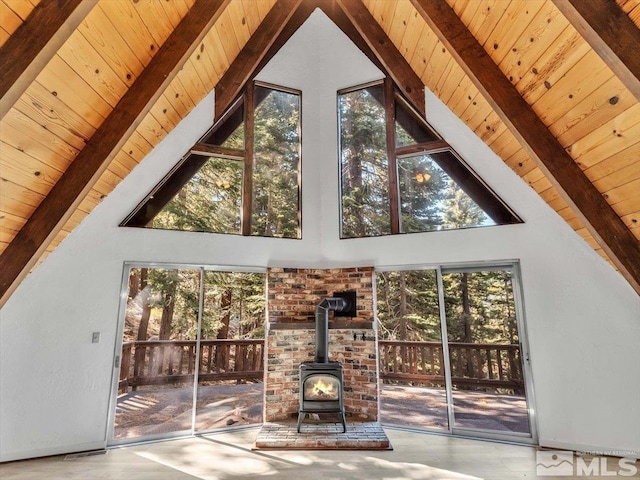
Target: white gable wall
(583,319)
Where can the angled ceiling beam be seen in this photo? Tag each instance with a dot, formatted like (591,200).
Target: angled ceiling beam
(34,43)
(586,201)
(281,22)
(392,60)
(49,218)
(611,33)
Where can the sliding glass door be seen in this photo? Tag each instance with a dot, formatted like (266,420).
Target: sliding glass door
(485,354)
(473,379)
(155,386)
(191,352)
(412,373)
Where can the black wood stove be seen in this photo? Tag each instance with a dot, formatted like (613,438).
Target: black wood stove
(321,381)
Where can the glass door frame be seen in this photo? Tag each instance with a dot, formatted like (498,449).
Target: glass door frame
(500,265)
(124,291)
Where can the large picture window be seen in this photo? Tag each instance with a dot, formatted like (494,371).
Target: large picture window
(398,176)
(242,177)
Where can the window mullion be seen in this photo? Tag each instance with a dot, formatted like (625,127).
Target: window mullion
(390,113)
(247,187)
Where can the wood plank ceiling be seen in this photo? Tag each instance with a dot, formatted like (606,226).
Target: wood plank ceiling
(588,109)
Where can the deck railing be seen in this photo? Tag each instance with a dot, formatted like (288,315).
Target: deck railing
(160,362)
(173,361)
(472,364)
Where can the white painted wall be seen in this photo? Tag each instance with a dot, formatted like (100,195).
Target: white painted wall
(582,318)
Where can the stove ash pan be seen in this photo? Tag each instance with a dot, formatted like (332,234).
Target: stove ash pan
(321,390)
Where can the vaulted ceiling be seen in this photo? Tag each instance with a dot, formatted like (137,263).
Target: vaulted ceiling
(89,87)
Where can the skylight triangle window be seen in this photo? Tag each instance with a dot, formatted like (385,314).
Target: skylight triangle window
(236,179)
(399,176)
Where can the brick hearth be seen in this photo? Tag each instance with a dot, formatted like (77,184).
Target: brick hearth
(324,436)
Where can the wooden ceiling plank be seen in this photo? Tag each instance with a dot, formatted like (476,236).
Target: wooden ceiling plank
(605,103)
(487,18)
(10,21)
(88,64)
(455,81)
(395,65)
(612,137)
(62,81)
(547,25)
(115,51)
(614,163)
(239,23)
(26,196)
(580,82)
(180,100)
(129,18)
(228,37)
(467,11)
(412,34)
(251,14)
(398,28)
(34,43)
(502,39)
(611,33)
(601,220)
(194,88)
(247,63)
(50,121)
(19,7)
(621,176)
(84,172)
(19,168)
(48,149)
(561,55)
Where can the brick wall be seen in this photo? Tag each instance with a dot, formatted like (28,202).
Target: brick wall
(292,298)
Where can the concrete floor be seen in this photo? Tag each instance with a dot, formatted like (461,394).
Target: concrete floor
(229,456)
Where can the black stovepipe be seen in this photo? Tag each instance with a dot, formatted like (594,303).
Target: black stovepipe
(322,325)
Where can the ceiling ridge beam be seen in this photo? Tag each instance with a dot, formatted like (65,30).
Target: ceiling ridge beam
(28,50)
(611,33)
(284,18)
(394,64)
(586,201)
(50,216)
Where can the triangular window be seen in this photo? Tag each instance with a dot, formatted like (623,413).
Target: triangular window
(418,185)
(236,179)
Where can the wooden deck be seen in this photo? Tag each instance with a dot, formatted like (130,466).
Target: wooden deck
(158,411)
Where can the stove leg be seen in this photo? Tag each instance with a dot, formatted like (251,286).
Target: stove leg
(344,422)
(300,417)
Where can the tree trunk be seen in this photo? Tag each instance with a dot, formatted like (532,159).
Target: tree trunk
(167,311)
(225,307)
(466,307)
(402,314)
(466,318)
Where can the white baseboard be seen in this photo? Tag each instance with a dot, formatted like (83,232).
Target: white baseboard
(49,451)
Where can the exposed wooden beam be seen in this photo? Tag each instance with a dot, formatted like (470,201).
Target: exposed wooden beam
(47,220)
(394,63)
(208,150)
(586,201)
(258,51)
(34,43)
(611,33)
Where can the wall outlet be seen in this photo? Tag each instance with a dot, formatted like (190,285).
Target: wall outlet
(95,337)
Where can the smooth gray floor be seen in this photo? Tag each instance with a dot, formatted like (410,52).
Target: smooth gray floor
(229,456)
